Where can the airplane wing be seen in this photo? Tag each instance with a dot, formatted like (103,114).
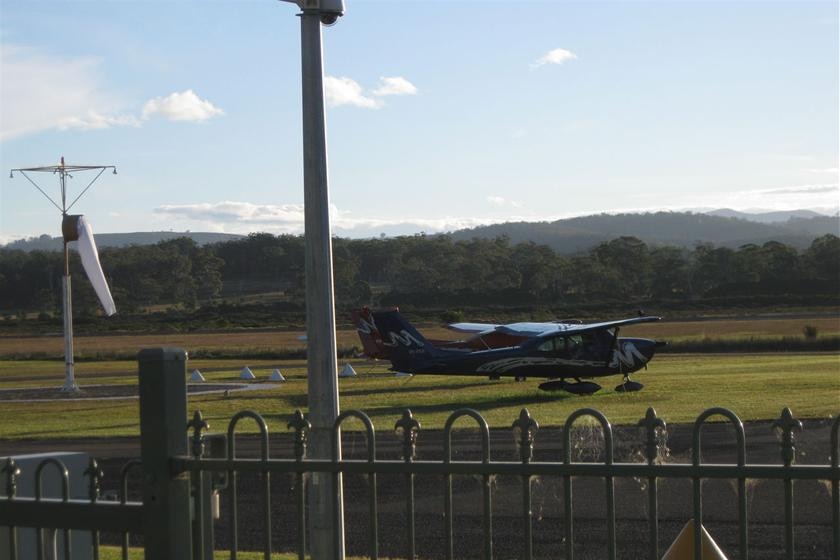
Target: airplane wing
(574,329)
(528,330)
(525,329)
(472,327)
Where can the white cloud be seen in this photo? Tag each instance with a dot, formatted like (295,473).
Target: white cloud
(794,197)
(95,121)
(834,170)
(281,217)
(245,217)
(501,201)
(5,239)
(555,56)
(799,190)
(345,91)
(42,92)
(46,92)
(394,85)
(181,106)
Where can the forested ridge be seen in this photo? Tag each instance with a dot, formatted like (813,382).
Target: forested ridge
(266,272)
(723,227)
(680,229)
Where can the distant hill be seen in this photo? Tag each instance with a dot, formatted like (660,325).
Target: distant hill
(684,229)
(766,217)
(721,227)
(48,243)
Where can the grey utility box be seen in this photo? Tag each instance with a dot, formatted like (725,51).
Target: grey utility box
(76,464)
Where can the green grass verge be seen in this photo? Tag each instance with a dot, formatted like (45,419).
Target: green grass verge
(679,387)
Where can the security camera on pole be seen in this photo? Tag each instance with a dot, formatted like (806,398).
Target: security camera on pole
(74,228)
(326,522)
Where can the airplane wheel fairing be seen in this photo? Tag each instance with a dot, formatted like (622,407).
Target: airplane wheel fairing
(629,387)
(583,388)
(579,388)
(553,385)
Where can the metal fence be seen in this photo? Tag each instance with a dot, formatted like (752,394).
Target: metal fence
(177,482)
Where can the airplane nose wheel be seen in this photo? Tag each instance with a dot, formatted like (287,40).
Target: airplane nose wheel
(629,386)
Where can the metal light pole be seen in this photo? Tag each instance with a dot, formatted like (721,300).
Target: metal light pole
(64,172)
(326,521)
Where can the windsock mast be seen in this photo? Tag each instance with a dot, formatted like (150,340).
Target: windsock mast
(71,232)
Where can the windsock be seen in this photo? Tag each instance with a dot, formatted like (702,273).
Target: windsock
(76,228)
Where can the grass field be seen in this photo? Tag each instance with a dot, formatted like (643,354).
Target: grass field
(679,387)
(257,341)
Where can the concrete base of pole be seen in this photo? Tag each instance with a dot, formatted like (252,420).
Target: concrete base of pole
(70,387)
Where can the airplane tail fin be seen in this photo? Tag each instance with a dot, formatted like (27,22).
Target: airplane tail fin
(372,345)
(404,345)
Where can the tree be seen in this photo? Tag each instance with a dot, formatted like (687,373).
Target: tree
(822,259)
(781,263)
(669,272)
(711,267)
(627,261)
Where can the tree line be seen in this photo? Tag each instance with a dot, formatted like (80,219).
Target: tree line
(422,270)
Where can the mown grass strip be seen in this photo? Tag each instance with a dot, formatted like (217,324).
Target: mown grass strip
(679,387)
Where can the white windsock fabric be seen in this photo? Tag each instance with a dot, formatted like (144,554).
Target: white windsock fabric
(90,262)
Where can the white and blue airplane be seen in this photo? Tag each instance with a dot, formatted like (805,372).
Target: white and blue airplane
(557,351)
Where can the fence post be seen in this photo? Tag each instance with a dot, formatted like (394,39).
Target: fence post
(163,434)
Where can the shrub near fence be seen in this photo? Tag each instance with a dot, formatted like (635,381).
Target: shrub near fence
(175,468)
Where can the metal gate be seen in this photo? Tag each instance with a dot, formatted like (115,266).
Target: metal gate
(179,478)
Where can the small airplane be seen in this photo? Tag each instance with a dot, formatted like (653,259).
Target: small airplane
(555,350)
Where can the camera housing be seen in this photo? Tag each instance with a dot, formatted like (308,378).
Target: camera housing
(329,19)
(330,10)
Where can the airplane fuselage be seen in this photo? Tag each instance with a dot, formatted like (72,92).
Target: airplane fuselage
(627,356)
(554,351)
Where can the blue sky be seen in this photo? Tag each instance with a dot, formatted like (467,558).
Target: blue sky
(442,114)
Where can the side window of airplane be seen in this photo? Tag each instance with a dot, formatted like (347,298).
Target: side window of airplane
(551,345)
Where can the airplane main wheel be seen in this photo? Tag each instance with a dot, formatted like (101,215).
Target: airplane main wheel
(629,387)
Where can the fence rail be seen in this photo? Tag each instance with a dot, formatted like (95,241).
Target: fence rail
(179,478)
(525,429)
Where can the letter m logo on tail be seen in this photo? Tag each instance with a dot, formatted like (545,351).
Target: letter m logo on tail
(405,346)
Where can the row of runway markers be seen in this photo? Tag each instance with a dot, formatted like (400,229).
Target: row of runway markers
(248,375)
